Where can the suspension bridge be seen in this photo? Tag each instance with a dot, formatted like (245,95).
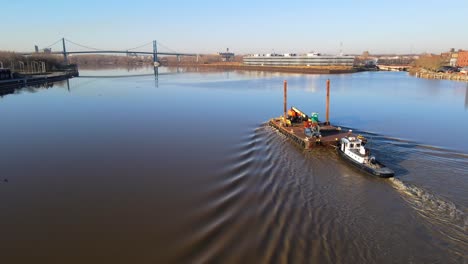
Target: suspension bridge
(131,51)
(35,71)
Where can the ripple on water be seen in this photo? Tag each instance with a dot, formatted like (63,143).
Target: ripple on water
(440,215)
(272,202)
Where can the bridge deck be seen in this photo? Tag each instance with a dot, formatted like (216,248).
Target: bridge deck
(116,52)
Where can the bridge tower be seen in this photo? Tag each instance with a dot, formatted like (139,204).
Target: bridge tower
(155,61)
(155,52)
(65,58)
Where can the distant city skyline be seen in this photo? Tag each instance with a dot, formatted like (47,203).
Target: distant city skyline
(242,26)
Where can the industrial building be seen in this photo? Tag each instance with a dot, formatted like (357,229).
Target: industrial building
(291,59)
(462,59)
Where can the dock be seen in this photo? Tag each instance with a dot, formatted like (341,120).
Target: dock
(36,79)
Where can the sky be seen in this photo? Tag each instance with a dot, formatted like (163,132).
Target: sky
(243,26)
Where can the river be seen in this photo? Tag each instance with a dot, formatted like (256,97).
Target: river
(183,168)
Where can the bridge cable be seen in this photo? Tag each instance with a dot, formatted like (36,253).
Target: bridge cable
(83,46)
(140,46)
(53,43)
(164,46)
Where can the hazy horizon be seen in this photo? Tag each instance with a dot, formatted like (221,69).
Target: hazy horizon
(398,27)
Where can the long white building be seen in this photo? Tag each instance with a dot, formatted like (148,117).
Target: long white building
(310,59)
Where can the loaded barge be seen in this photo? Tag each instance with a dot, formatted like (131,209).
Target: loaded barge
(308,133)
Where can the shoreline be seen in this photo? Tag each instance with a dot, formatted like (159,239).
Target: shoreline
(420,73)
(288,69)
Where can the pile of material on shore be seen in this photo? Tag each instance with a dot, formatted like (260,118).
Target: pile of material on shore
(424,73)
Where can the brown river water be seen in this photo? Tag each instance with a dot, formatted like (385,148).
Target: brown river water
(183,168)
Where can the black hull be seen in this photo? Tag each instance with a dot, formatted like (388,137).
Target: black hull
(382,172)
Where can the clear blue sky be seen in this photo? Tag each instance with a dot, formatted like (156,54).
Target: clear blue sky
(205,26)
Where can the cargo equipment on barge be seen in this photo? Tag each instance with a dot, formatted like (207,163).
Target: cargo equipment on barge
(350,146)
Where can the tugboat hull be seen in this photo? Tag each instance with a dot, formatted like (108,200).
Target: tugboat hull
(379,171)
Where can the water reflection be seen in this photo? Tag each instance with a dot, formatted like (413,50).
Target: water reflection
(156,76)
(310,83)
(187,172)
(30,88)
(6,91)
(466,97)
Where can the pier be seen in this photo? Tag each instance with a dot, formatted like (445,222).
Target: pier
(394,67)
(36,79)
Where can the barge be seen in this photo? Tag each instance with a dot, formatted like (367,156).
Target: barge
(330,135)
(309,133)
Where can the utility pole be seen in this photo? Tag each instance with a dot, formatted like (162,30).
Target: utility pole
(327,110)
(285,101)
(65,58)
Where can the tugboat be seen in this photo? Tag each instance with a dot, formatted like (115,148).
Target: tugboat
(352,150)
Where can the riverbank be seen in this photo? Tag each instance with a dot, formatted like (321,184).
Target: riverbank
(289,69)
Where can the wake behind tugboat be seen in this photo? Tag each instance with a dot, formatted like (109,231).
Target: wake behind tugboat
(444,219)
